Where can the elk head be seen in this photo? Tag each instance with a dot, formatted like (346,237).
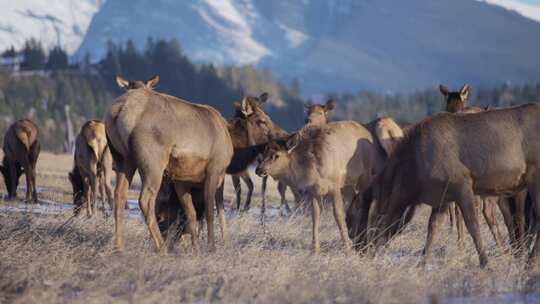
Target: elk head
(455,101)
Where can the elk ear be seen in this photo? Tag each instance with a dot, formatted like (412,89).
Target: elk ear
(245,107)
(464,92)
(444,90)
(292,143)
(122,83)
(152,83)
(330,105)
(263,98)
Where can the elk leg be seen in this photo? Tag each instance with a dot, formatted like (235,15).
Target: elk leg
(282,188)
(237,190)
(28,176)
(491,220)
(466,204)
(263,193)
(147,203)
(316,217)
(247,179)
(93,191)
(435,220)
(508,219)
(87,189)
(108,188)
(534,258)
(187,203)
(123,179)
(451,215)
(221,213)
(339,215)
(12,167)
(520,203)
(460,226)
(211,184)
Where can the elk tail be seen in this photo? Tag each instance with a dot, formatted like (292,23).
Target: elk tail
(388,134)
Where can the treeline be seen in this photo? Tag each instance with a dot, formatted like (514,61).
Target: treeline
(88,88)
(35,58)
(201,83)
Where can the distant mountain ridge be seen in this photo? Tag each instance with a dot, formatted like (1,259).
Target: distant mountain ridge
(327,45)
(59,22)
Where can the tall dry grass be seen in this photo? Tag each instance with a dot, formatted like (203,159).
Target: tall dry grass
(44,262)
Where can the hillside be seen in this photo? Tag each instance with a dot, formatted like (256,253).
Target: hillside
(337,45)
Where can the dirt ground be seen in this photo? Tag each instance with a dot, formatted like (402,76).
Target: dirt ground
(42,261)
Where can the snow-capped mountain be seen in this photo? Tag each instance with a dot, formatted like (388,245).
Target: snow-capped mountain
(528,10)
(53,22)
(337,45)
(328,45)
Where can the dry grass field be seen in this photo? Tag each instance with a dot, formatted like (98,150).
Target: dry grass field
(42,261)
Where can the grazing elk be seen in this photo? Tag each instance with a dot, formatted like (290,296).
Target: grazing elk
(170,214)
(250,130)
(449,158)
(21,151)
(92,168)
(456,102)
(159,134)
(333,160)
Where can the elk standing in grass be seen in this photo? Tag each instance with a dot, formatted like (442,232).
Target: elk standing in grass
(332,160)
(159,134)
(21,151)
(450,157)
(92,168)
(456,102)
(250,131)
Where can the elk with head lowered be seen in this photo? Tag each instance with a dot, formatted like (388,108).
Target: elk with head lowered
(21,151)
(92,168)
(449,158)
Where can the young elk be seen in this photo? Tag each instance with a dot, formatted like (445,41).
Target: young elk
(21,151)
(323,163)
(92,168)
(159,134)
(170,214)
(456,102)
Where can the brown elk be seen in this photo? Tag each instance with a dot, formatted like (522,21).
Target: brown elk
(317,114)
(456,102)
(92,168)
(250,130)
(170,214)
(333,160)
(21,151)
(449,158)
(159,134)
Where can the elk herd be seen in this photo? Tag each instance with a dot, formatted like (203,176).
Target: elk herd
(374,175)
